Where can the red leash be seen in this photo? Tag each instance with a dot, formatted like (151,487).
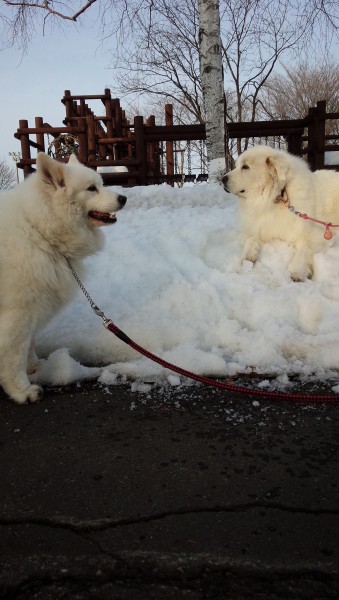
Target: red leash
(317,398)
(213,382)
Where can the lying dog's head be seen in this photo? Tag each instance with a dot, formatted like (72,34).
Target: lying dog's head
(259,172)
(80,189)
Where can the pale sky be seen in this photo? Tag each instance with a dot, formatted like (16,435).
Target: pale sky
(33,85)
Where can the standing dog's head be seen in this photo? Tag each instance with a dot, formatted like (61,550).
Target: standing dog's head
(79,189)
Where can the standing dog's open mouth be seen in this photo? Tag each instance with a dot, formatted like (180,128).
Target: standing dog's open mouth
(107,218)
(102,217)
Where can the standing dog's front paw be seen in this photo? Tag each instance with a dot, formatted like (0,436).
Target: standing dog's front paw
(35,393)
(30,395)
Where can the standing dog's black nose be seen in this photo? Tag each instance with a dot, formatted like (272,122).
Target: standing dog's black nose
(122,200)
(224,180)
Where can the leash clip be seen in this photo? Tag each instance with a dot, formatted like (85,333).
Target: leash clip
(106,321)
(98,311)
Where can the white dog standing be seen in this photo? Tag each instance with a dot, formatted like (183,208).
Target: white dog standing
(268,182)
(53,214)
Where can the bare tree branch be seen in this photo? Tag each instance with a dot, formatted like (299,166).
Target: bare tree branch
(7,176)
(306,85)
(47,6)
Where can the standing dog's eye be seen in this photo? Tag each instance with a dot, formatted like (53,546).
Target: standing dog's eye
(92,188)
(245,167)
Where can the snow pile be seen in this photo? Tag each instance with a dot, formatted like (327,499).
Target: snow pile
(216,170)
(170,278)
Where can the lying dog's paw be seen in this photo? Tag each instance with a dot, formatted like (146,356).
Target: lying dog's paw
(30,395)
(251,250)
(246,267)
(251,257)
(297,277)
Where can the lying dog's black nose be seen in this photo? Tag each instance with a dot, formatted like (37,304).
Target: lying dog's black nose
(122,200)
(225,181)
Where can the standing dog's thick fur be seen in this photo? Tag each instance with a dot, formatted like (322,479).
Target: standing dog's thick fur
(267,181)
(53,214)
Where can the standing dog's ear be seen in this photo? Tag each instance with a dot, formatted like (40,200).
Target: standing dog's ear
(277,166)
(50,172)
(73,160)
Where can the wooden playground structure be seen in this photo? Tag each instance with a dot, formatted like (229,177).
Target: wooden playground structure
(143,153)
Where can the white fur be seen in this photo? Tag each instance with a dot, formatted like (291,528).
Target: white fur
(43,220)
(260,178)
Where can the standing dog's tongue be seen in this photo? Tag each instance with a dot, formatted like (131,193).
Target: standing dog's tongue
(107,218)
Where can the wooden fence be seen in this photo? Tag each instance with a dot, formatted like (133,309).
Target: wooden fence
(143,153)
(304,137)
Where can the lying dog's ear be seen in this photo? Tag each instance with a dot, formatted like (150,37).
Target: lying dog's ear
(49,171)
(277,166)
(73,160)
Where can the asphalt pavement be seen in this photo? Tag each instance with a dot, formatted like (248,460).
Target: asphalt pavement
(180,493)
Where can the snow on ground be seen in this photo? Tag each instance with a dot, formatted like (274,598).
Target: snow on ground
(171,279)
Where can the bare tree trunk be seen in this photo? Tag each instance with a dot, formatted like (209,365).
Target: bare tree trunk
(212,80)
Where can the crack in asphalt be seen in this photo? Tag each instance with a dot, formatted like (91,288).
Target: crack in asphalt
(79,526)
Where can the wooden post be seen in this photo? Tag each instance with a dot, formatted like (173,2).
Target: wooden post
(25,148)
(130,146)
(295,143)
(68,102)
(140,149)
(169,144)
(82,107)
(316,136)
(101,147)
(91,139)
(117,117)
(83,147)
(124,127)
(40,139)
(150,147)
(321,122)
(109,122)
(153,151)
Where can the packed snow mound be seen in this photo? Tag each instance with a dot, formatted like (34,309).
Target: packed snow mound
(171,278)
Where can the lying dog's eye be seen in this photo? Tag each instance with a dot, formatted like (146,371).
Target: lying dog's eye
(92,188)
(245,167)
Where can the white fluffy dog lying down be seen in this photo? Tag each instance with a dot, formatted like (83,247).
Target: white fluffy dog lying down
(55,213)
(268,183)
